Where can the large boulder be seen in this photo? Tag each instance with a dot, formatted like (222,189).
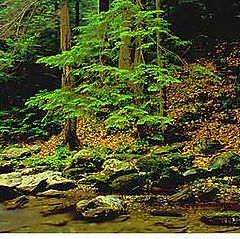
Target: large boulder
(88,159)
(7,193)
(82,157)
(11,180)
(18,182)
(97,180)
(57,182)
(6,167)
(16,152)
(111,169)
(45,181)
(114,168)
(191,194)
(101,208)
(130,183)
(33,183)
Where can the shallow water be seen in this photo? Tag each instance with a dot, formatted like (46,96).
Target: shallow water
(29,219)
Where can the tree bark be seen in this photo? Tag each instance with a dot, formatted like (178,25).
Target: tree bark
(138,55)
(163,92)
(77,13)
(70,129)
(125,59)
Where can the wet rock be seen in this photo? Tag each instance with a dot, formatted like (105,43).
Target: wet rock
(18,202)
(35,183)
(57,209)
(27,171)
(164,150)
(51,194)
(130,183)
(87,159)
(74,173)
(82,157)
(6,167)
(10,180)
(98,180)
(184,196)
(188,194)
(57,182)
(166,213)
(100,208)
(57,223)
(208,146)
(222,219)
(7,193)
(15,153)
(114,168)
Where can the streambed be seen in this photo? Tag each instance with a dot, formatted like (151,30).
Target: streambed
(138,220)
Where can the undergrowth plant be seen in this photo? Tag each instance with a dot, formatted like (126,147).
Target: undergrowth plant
(27,123)
(124,99)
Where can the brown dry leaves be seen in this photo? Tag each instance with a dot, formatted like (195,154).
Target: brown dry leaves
(202,96)
(89,135)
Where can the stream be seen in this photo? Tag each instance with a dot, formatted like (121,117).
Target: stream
(139,220)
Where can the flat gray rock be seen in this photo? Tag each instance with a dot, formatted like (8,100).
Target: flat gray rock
(100,208)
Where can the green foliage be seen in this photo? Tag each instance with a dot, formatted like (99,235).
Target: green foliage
(200,72)
(170,165)
(59,161)
(27,123)
(125,99)
(24,27)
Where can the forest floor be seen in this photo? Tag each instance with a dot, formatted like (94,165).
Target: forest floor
(203,105)
(197,166)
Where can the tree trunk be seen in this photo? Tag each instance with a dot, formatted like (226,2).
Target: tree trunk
(77,13)
(138,55)
(103,5)
(163,96)
(70,129)
(159,51)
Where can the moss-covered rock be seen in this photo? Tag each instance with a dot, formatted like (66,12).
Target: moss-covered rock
(114,168)
(130,183)
(18,152)
(192,194)
(88,158)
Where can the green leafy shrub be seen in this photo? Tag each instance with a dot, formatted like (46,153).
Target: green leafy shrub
(125,99)
(27,123)
(59,161)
